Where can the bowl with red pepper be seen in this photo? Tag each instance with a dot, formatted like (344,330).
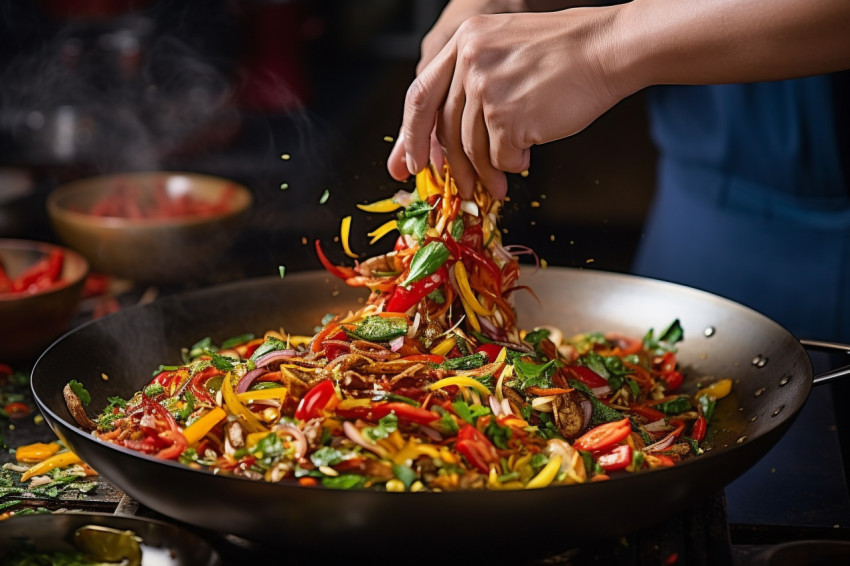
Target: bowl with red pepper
(41,285)
(150,227)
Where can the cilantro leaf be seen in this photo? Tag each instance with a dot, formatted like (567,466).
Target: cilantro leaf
(469,412)
(80,391)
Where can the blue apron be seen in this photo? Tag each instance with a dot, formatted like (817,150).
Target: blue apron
(751,202)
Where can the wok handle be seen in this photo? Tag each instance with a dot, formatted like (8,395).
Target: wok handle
(829,347)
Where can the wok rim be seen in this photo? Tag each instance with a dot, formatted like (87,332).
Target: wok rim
(252,282)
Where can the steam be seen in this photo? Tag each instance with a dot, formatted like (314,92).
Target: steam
(118,98)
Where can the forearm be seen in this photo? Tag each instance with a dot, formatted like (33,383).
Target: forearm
(724,41)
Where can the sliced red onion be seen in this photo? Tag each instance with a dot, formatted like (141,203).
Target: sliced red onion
(656,426)
(414,327)
(274,356)
(587,412)
(431,433)
(662,444)
(602,390)
(297,435)
(404,198)
(506,406)
(249,378)
(354,435)
(469,207)
(495,406)
(396,343)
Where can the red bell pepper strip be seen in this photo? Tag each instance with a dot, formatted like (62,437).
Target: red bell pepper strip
(41,274)
(648,413)
(177,445)
(5,280)
(404,412)
(340,271)
(698,431)
(617,458)
(476,448)
(603,436)
(492,351)
(315,400)
(197,385)
(405,297)
(587,376)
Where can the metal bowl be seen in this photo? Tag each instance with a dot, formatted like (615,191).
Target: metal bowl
(30,322)
(149,249)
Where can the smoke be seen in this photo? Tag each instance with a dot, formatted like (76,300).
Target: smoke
(116,97)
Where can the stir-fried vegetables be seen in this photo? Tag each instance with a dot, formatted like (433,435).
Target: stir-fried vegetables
(429,386)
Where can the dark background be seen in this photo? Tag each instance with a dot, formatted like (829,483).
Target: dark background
(226,87)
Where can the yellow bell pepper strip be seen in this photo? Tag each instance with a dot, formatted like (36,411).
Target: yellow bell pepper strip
(382,230)
(59,460)
(272,393)
(413,449)
(470,315)
(466,291)
(247,418)
(718,389)
(345,232)
(546,475)
(385,205)
(444,347)
(32,453)
(198,429)
(461,380)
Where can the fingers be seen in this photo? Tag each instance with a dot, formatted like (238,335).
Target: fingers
(424,98)
(396,163)
(476,142)
(449,134)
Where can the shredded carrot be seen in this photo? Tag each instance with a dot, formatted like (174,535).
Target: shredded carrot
(542,391)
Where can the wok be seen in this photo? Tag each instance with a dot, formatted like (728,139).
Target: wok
(770,368)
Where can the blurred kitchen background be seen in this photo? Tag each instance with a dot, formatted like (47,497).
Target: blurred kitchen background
(295,99)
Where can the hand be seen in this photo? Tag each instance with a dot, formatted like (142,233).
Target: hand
(454,14)
(502,84)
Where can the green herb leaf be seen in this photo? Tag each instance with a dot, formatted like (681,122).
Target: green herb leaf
(676,406)
(457,229)
(469,412)
(80,391)
(326,456)
(236,340)
(153,390)
(380,329)
(498,434)
(405,474)
(270,345)
(413,219)
(426,261)
(224,363)
(602,413)
(344,481)
(530,374)
(386,426)
(466,362)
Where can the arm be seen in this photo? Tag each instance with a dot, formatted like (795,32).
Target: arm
(506,82)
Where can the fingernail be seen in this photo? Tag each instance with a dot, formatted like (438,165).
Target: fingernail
(411,166)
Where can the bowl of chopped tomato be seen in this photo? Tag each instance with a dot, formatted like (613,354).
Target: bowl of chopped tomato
(41,285)
(150,227)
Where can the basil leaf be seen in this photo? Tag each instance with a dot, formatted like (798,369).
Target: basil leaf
(457,229)
(405,474)
(80,391)
(466,362)
(413,220)
(326,456)
(270,345)
(236,340)
(223,363)
(676,406)
(602,413)
(426,261)
(469,412)
(530,374)
(344,481)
